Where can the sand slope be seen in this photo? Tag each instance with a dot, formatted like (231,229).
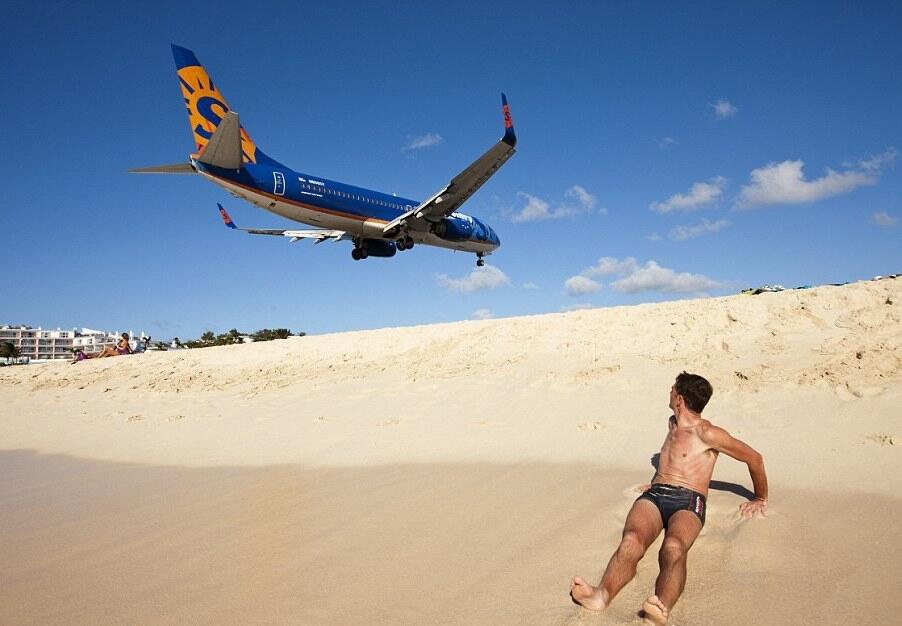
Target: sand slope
(329,479)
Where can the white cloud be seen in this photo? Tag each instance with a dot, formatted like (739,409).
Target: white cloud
(784,183)
(667,143)
(699,195)
(682,233)
(423,141)
(634,277)
(884,219)
(535,209)
(482,314)
(654,237)
(530,286)
(481,278)
(585,199)
(876,162)
(653,277)
(579,201)
(581,285)
(609,265)
(577,307)
(724,109)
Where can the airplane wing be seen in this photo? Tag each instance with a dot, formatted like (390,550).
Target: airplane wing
(465,184)
(319,235)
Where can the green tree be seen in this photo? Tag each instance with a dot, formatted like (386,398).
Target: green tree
(208,337)
(8,351)
(267,334)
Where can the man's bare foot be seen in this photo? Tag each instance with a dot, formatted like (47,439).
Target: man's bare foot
(592,598)
(655,611)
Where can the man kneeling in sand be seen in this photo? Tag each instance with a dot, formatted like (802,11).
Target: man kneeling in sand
(674,502)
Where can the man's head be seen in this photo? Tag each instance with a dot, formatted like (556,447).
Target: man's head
(691,390)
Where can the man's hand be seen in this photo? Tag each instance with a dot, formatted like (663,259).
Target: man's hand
(753,507)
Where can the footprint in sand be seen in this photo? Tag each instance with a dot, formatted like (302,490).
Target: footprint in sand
(884,439)
(845,392)
(389,423)
(587,426)
(135,418)
(175,418)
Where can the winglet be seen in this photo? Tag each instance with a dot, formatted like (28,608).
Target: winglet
(510,138)
(225,217)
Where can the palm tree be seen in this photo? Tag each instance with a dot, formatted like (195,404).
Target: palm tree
(8,350)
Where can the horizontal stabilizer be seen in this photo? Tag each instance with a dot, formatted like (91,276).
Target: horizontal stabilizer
(175,168)
(224,148)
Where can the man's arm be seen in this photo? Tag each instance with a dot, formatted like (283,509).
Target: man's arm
(722,441)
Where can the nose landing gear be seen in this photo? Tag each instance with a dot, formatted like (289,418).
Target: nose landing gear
(480,262)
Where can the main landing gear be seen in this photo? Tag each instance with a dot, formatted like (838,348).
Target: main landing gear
(480,262)
(404,243)
(359,253)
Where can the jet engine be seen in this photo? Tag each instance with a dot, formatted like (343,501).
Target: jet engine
(379,247)
(451,229)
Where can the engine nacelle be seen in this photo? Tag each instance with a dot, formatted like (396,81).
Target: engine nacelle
(379,247)
(453,229)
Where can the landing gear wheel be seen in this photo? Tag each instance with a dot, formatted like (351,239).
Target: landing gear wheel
(401,245)
(363,253)
(355,254)
(408,243)
(480,262)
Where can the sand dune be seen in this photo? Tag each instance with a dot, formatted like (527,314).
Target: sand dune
(457,473)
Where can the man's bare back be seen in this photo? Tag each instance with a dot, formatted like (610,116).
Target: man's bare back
(675,502)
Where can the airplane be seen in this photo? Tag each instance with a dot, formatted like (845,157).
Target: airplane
(378,224)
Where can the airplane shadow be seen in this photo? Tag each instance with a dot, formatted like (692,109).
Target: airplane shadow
(718,485)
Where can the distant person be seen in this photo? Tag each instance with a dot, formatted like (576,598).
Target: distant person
(122,347)
(142,344)
(674,502)
(79,355)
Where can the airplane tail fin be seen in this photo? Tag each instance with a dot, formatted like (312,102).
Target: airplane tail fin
(207,107)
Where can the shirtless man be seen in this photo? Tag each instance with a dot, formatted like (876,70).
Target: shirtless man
(674,502)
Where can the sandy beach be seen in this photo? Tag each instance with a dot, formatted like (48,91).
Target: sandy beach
(458,473)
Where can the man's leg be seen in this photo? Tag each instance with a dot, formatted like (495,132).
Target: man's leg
(681,533)
(643,525)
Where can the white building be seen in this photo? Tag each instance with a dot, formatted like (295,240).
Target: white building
(40,344)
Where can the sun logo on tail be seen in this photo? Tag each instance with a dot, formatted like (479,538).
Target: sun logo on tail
(206,108)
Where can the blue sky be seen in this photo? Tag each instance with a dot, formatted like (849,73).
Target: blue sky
(665,151)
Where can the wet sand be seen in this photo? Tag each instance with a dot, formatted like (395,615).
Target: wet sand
(87,542)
